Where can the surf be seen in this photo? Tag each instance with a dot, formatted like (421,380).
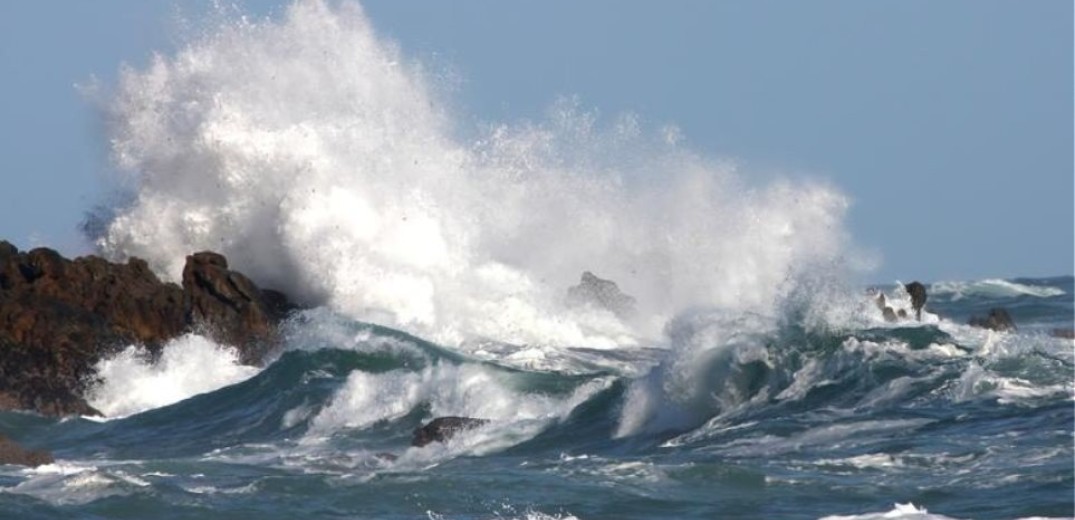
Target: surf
(324,163)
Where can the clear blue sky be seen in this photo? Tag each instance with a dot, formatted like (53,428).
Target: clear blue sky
(949,124)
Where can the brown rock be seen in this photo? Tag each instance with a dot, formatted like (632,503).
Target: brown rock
(12,453)
(1063,333)
(228,306)
(998,319)
(59,317)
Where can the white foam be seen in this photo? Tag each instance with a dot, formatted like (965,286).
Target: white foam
(700,377)
(322,162)
(906,511)
(836,436)
(977,382)
(866,461)
(992,288)
(509,513)
(68,483)
(449,390)
(189,365)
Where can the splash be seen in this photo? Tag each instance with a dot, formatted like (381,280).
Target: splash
(906,511)
(131,383)
(323,163)
(448,390)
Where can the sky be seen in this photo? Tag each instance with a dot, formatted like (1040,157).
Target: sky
(947,124)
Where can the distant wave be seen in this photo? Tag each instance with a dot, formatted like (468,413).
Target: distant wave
(992,288)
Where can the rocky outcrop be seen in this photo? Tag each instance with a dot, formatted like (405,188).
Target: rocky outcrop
(58,317)
(12,453)
(888,313)
(917,291)
(443,428)
(602,293)
(229,307)
(998,319)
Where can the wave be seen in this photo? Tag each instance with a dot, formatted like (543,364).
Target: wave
(899,511)
(992,288)
(132,381)
(342,379)
(324,163)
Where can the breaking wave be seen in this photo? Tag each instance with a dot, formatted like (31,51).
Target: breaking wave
(324,163)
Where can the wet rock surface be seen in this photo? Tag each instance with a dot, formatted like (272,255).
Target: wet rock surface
(917,291)
(998,319)
(13,453)
(58,317)
(443,428)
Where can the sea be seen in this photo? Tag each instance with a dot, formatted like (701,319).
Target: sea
(750,374)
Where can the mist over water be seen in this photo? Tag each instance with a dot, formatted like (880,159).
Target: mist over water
(325,164)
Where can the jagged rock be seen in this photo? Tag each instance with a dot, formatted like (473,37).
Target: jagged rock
(601,293)
(917,291)
(58,317)
(228,306)
(998,319)
(12,453)
(443,428)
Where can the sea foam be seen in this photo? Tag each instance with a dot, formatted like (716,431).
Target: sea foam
(132,382)
(324,163)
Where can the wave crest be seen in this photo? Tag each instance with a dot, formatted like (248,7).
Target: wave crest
(322,163)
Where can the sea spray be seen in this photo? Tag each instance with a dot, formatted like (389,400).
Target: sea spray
(132,381)
(323,163)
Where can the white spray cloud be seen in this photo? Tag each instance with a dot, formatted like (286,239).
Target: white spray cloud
(319,161)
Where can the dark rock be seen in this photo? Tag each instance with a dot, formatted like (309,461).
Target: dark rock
(1063,333)
(228,306)
(889,314)
(998,319)
(12,453)
(443,428)
(59,317)
(917,291)
(601,293)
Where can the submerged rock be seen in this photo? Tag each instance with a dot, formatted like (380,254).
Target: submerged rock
(59,317)
(601,293)
(12,453)
(443,428)
(998,319)
(1063,333)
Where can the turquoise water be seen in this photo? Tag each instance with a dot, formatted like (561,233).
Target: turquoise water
(771,420)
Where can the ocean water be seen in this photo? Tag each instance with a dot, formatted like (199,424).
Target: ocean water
(733,416)
(753,379)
